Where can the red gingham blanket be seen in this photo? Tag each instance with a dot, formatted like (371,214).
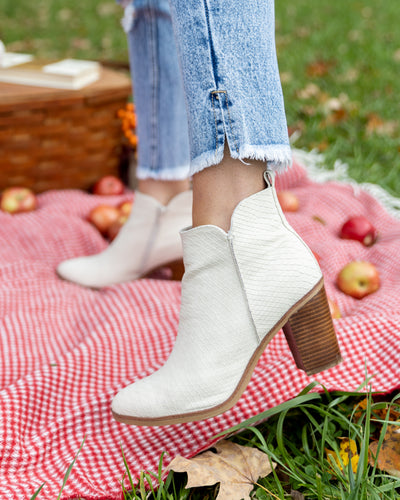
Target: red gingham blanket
(66,350)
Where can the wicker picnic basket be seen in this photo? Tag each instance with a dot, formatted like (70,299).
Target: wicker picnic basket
(56,139)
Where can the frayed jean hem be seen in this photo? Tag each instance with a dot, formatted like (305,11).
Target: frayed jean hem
(163,174)
(277,157)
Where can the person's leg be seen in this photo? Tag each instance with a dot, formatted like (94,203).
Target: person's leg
(163,200)
(247,273)
(163,148)
(218,189)
(234,96)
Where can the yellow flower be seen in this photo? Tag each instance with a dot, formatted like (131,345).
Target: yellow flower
(348,453)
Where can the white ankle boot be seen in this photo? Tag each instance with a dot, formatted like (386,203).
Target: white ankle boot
(239,289)
(148,240)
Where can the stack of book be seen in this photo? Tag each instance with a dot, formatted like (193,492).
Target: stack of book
(63,74)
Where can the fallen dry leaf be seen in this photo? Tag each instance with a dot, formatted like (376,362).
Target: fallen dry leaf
(237,468)
(337,116)
(308,110)
(322,146)
(376,125)
(337,103)
(319,68)
(388,458)
(319,219)
(310,90)
(351,75)
(360,408)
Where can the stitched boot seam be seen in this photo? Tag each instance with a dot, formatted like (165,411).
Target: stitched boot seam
(239,275)
(152,239)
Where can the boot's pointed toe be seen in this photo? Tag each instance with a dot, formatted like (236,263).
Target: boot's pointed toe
(70,269)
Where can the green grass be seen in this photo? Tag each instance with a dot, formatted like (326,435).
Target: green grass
(359,39)
(295,436)
(55,28)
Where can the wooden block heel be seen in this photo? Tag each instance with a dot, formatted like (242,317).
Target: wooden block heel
(311,336)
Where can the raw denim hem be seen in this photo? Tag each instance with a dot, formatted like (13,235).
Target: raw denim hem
(163,174)
(277,157)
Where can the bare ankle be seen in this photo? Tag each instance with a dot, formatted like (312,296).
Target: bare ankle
(163,191)
(217,190)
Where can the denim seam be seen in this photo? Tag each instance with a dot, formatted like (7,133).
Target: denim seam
(154,113)
(210,41)
(215,120)
(229,119)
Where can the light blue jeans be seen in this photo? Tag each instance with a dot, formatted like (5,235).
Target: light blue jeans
(223,51)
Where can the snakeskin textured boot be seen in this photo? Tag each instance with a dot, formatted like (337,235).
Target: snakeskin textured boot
(147,241)
(239,289)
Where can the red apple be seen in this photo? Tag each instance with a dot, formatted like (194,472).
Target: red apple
(109,185)
(18,199)
(115,227)
(102,217)
(125,207)
(358,279)
(288,201)
(359,228)
(334,309)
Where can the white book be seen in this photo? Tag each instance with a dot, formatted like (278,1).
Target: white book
(65,74)
(10,59)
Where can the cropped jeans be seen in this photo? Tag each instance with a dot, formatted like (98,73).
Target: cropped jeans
(205,72)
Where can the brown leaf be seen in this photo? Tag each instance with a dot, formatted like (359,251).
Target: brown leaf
(235,467)
(388,458)
(296,495)
(308,110)
(394,414)
(298,127)
(338,115)
(319,219)
(376,125)
(322,146)
(360,408)
(319,68)
(309,91)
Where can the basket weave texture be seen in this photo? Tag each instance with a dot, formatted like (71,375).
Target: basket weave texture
(57,139)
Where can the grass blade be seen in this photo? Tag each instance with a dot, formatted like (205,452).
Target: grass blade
(287,405)
(127,470)
(70,469)
(37,492)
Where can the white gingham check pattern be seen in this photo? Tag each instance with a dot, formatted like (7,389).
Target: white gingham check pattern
(65,350)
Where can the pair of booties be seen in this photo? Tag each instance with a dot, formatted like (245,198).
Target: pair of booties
(239,289)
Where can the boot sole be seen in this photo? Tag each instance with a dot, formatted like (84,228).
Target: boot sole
(311,337)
